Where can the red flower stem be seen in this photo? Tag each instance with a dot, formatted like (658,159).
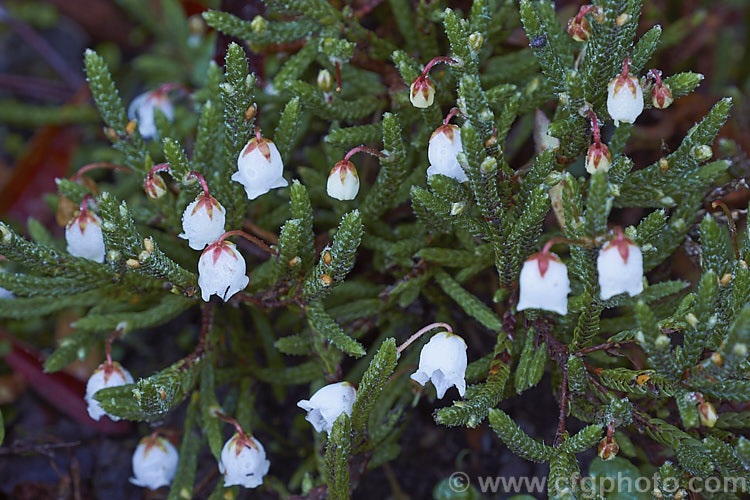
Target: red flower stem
(421,332)
(200,178)
(366,149)
(161,167)
(453,112)
(258,135)
(436,60)
(85,202)
(625,66)
(337,67)
(583,11)
(92,166)
(248,237)
(108,344)
(230,420)
(656,74)
(595,128)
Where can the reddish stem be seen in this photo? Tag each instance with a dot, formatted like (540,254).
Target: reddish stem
(421,332)
(92,166)
(166,87)
(232,421)
(248,237)
(732,225)
(200,178)
(108,344)
(595,128)
(85,202)
(337,67)
(656,75)
(436,60)
(161,167)
(366,149)
(258,135)
(453,112)
(625,66)
(583,11)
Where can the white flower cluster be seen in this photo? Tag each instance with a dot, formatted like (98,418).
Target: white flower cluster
(544,282)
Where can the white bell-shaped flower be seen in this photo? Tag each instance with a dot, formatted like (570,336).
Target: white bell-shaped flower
(154,463)
(343,181)
(327,404)
(106,375)
(598,158)
(620,268)
(203,222)
(442,151)
(443,361)
(422,92)
(143,107)
(544,284)
(259,167)
(221,271)
(84,236)
(243,461)
(624,97)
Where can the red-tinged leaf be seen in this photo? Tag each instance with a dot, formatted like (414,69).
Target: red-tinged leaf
(61,390)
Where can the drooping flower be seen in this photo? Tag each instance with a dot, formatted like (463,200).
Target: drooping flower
(343,181)
(154,185)
(624,96)
(259,167)
(598,156)
(442,151)
(661,94)
(422,90)
(443,361)
(243,461)
(544,283)
(203,220)
(578,26)
(221,270)
(106,375)
(143,107)
(327,404)
(620,268)
(608,448)
(83,233)
(154,463)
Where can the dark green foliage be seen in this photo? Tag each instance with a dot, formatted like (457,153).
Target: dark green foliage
(334,283)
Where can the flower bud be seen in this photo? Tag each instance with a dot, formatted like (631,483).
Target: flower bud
(475,41)
(84,236)
(221,271)
(154,186)
(579,28)
(259,168)
(243,461)
(325,81)
(154,463)
(661,96)
(343,182)
(598,158)
(707,414)
(608,448)
(620,268)
(624,99)
(422,92)
(544,284)
(143,107)
(327,404)
(202,221)
(442,151)
(106,375)
(443,361)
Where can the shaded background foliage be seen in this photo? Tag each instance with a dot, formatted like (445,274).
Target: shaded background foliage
(48,127)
